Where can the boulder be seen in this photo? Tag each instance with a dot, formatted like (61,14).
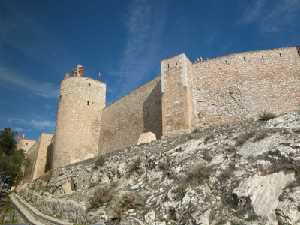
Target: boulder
(146,138)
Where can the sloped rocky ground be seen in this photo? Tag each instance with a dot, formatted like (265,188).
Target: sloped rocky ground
(241,174)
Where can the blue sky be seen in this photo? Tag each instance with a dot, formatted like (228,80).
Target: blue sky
(125,40)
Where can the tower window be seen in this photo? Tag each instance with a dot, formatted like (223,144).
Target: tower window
(280,54)
(89,84)
(88,102)
(168,66)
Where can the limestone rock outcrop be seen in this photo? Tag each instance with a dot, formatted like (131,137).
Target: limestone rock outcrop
(246,173)
(146,138)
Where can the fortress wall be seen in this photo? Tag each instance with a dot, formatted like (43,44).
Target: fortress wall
(41,157)
(78,120)
(127,118)
(176,95)
(25,144)
(31,155)
(246,84)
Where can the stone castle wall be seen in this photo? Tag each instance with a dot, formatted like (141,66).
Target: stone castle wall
(126,119)
(80,107)
(41,155)
(245,85)
(31,155)
(184,97)
(176,95)
(25,144)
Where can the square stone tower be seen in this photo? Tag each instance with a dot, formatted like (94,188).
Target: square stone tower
(177,107)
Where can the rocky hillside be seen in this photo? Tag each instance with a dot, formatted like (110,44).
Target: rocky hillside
(242,174)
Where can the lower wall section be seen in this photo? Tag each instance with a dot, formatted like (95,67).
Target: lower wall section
(124,120)
(41,158)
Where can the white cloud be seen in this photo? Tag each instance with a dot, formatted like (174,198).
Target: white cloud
(44,89)
(253,12)
(272,16)
(22,124)
(144,28)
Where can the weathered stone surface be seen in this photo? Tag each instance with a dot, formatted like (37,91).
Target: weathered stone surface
(245,173)
(80,107)
(288,212)
(146,138)
(264,192)
(68,187)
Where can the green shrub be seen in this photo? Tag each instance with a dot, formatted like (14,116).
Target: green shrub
(101,195)
(100,161)
(125,201)
(12,161)
(180,191)
(163,165)
(241,139)
(135,166)
(198,174)
(260,135)
(265,116)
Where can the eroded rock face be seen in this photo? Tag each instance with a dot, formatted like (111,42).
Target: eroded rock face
(246,174)
(264,192)
(146,138)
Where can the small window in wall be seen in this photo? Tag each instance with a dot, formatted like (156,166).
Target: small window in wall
(88,102)
(89,84)
(60,97)
(280,54)
(168,66)
(244,58)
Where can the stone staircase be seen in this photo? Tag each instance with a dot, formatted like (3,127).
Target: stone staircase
(32,215)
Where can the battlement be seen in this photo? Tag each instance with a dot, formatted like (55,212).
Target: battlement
(261,56)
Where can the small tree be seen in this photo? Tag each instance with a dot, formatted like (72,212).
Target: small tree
(8,144)
(12,162)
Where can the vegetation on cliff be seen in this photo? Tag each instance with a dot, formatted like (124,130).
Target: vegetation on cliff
(12,161)
(245,173)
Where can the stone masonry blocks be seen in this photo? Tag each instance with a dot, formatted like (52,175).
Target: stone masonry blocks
(78,122)
(177,108)
(184,97)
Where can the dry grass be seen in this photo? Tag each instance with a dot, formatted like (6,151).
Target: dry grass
(101,195)
(265,116)
(198,174)
(135,166)
(100,161)
(129,200)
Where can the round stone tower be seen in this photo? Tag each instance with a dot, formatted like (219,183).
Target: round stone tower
(80,106)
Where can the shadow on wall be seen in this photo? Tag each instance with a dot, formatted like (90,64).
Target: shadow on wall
(49,161)
(152,114)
